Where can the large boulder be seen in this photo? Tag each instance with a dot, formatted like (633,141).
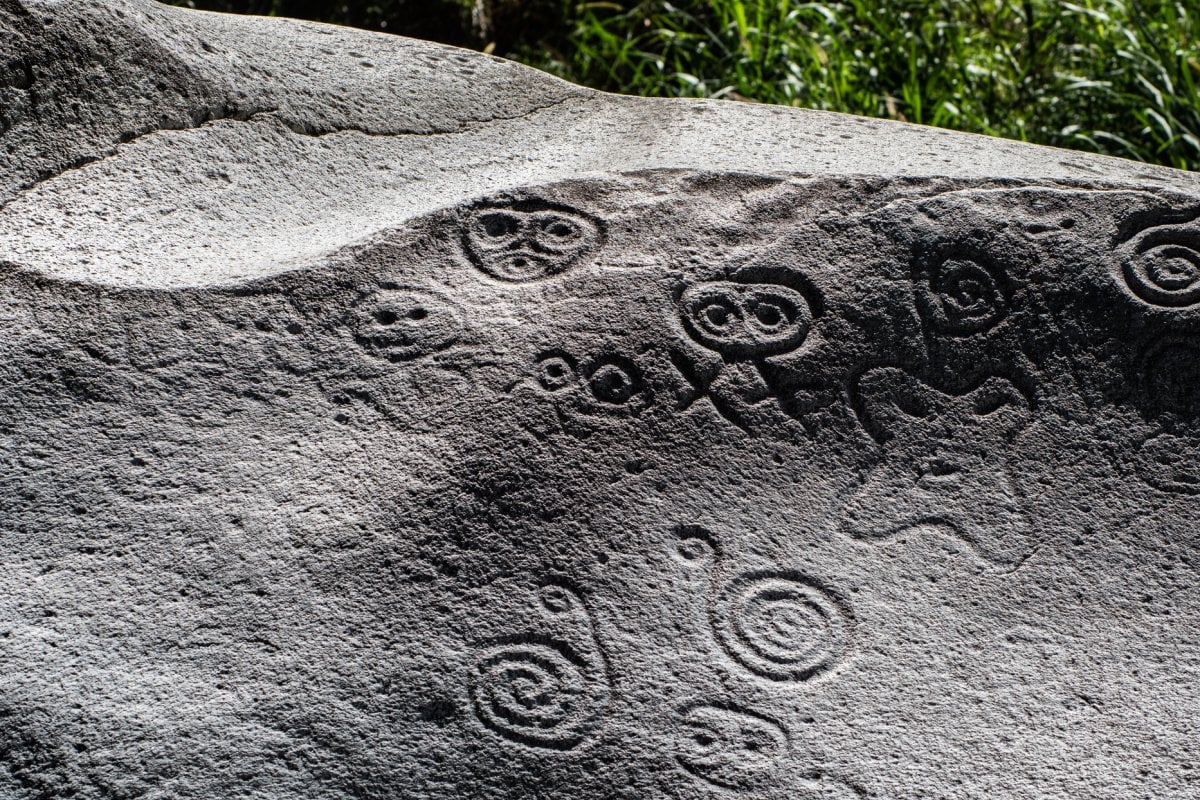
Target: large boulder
(385,420)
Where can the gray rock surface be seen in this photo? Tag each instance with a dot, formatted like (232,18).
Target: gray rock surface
(382,420)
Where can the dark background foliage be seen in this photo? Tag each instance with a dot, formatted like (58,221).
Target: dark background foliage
(1113,76)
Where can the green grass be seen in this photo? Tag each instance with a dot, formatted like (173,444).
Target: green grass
(1112,76)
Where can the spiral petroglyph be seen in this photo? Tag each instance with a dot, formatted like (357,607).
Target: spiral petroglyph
(1161,266)
(781,626)
(776,624)
(961,296)
(543,690)
(533,693)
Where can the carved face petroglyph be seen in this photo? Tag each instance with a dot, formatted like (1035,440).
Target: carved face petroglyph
(729,747)
(526,241)
(743,321)
(606,384)
(401,324)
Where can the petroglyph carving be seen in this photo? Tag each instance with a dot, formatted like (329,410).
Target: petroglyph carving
(529,240)
(961,296)
(944,462)
(605,384)
(730,747)
(744,323)
(541,690)
(776,624)
(1170,463)
(1161,265)
(401,323)
(780,625)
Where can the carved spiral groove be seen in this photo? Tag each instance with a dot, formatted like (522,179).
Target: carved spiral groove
(781,626)
(963,297)
(534,693)
(1164,267)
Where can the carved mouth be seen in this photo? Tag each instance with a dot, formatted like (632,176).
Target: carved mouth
(396,348)
(524,265)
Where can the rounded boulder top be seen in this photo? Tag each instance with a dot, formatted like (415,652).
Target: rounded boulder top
(380,419)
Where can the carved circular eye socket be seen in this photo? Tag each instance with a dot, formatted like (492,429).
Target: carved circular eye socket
(613,385)
(560,228)
(555,599)
(769,315)
(693,549)
(555,372)
(772,315)
(719,316)
(558,233)
(498,225)
(777,318)
(1170,463)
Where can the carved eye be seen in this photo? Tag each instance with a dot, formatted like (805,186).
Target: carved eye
(769,316)
(719,316)
(559,229)
(559,233)
(390,316)
(1170,463)
(555,372)
(1164,270)
(611,384)
(499,225)
(746,320)
(777,318)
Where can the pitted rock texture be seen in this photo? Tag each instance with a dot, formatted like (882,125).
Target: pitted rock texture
(406,435)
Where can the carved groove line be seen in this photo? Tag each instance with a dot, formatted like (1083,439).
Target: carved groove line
(540,691)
